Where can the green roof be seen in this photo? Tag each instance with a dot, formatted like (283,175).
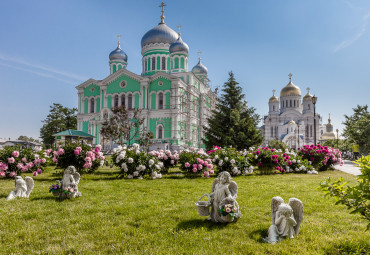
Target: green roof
(71,132)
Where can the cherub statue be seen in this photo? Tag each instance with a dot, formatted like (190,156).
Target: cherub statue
(22,188)
(223,195)
(69,183)
(286,219)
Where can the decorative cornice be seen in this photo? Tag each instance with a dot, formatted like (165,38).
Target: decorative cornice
(120,72)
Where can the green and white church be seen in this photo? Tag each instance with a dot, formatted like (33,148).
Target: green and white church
(175,102)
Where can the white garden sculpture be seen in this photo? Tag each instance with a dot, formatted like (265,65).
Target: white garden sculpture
(22,188)
(224,208)
(68,186)
(286,219)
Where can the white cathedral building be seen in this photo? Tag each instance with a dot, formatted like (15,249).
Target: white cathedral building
(291,119)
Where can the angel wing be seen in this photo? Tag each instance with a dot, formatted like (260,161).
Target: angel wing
(30,183)
(275,203)
(77,177)
(214,184)
(297,207)
(233,187)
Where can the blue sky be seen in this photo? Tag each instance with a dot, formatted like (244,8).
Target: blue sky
(48,47)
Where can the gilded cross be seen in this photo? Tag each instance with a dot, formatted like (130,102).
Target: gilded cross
(162,17)
(179,27)
(119,38)
(199,52)
(290,76)
(273,92)
(308,90)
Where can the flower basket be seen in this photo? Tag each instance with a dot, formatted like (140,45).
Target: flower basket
(203,206)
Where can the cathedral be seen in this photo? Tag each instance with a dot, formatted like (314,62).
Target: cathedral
(291,119)
(175,102)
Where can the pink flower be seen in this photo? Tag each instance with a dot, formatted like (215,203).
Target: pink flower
(200,166)
(289,162)
(39,171)
(30,165)
(259,163)
(195,166)
(98,146)
(36,161)
(15,154)
(102,158)
(79,148)
(11,160)
(187,164)
(12,174)
(71,190)
(2,174)
(24,169)
(43,160)
(272,150)
(60,151)
(227,209)
(35,173)
(195,170)
(97,150)
(172,162)
(234,209)
(258,152)
(55,160)
(206,174)
(19,165)
(24,160)
(88,159)
(209,166)
(77,152)
(211,171)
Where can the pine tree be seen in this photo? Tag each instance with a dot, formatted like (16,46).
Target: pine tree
(232,123)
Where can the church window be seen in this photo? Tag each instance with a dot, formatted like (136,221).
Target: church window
(287,130)
(322,131)
(294,103)
(92,105)
(123,84)
(276,131)
(286,103)
(145,65)
(291,129)
(129,101)
(176,63)
(119,67)
(273,107)
(114,68)
(310,130)
(283,104)
(163,63)
(272,131)
(160,83)
(182,64)
(309,106)
(160,132)
(123,100)
(290,103)
(148,64)
(153,63)
(160,101)
(116,101)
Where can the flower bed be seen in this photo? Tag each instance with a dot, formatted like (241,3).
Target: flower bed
(195,162)
(15,160)
(321,157)
(168,158)
(230,160)
(135,163)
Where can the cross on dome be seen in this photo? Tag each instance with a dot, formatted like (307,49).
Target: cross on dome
(119,38)
(199,52)
(179,27)
(290,76)
(308,90)
(273,92)
(162,16)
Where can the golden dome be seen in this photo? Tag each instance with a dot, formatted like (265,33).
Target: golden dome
(291,122)
(273,99)
(307,97)
(328,136)
(290,90)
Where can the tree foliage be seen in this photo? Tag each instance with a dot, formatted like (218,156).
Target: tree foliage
(276,144)
(232,123)
(357,127)
(27,139)
(356,198)
(60,118)
(124,125)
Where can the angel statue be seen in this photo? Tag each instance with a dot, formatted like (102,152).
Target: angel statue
(224,207)
(69,184)
(286,219)
(23,188)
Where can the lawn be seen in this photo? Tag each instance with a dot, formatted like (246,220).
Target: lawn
(159,217)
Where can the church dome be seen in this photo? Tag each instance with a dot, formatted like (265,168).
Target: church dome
(179,46)
(290,90)
(328,136)
(159,34)
(307,97)
(273,99)
(292,122)
(118,54)
(200,69)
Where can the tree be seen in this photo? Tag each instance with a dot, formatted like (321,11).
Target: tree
(27,139)
(60,118)
(124,125)
(357,128)
(232,123)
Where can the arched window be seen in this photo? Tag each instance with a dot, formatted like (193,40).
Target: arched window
(309,106)
(153,63)
(114,68)
(287,130)
(290,103)
(310,130)
(163,63)
(294,103)
(286,103)
(129,101)
(92,105)
(160,100)
(123,100)
(283,104)
(116,101)
(182,63)
(145,65)
(160,132)
(176,63)
(273,107)
(272,131)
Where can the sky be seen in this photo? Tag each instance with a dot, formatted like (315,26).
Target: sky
(47,47)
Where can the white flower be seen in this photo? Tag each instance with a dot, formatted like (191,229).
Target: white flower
(157,166)
(136,146)
(256,157)
(159,176)
(310,162)
(151,162)
(101,162)
(137,151)
(239,172)
(314,172)
(142,167)
(160,164)
(125,169)
(154,175)
(298,161)
(140,177)
(296,169)
(232,161)
(214,160)
(251,168)
(129,176)
(226,158)
(220,163)
(136,173)
(294,160)
(130,160)
(216,156)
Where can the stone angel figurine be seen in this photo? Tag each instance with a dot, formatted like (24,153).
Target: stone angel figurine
(286,219)
(22,188)
(224,207)
(69,184)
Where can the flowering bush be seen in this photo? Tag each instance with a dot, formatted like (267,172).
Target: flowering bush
(15,160)
(81,156)
(231,160)
(135,163)
(195,162)
(168,158)
(292,162)
(321,157)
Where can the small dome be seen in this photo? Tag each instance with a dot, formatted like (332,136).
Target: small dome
(273,99)
(118,54)
(307,97)
(179,46)
(291,122)
(200,69)
(290,90)
(159,34)
(328,136)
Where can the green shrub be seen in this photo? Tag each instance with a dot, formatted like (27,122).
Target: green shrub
(232,161)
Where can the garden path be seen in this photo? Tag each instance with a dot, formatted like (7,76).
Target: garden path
(349,167)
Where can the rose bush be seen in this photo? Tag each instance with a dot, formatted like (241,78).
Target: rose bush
(168,158)
(196,162)
(230,160)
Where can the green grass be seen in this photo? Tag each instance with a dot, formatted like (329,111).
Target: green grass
(122,216)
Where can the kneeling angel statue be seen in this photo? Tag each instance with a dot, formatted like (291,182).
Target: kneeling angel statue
(68,186)
(286,219)
(22,188)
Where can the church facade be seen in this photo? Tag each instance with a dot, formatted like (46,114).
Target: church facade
(175,102)
(291,118)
